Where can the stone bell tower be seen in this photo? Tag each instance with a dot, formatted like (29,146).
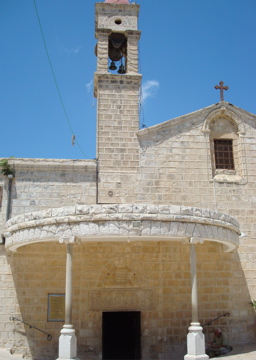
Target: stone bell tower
(117,89)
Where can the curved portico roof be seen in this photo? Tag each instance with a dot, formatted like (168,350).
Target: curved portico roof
(122,222)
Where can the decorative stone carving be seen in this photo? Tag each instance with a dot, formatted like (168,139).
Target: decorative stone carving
(223,112)
(109,222)
(122,299)
(106,16)
(124,272)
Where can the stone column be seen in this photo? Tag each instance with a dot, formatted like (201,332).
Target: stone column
(132,51)
(67,339)
(102,50)
(195,337)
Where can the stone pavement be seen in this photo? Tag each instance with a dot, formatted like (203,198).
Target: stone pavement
(239,352)
(6,355)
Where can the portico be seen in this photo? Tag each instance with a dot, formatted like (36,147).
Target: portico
(125,223)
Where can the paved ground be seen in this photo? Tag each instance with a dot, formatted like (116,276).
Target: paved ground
(5,355)
(240,352)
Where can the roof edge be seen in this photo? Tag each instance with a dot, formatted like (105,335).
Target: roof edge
(185,117)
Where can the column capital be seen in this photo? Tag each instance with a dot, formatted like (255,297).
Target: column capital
(68,240)
(133,33)
(104,32)
(193,240)
(196,240)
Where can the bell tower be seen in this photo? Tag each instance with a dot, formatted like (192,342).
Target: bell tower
(117,89)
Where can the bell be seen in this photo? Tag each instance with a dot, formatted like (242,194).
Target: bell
(114,54)
(121,69)
(117,40)
(112,66)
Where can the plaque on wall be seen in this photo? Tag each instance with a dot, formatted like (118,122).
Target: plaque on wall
(56,307)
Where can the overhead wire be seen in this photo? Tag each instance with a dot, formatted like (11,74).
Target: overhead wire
(55,79)
(142,121)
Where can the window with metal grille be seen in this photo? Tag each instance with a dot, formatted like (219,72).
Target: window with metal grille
(223,151)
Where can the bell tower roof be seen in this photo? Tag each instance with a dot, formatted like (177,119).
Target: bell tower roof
(117,1)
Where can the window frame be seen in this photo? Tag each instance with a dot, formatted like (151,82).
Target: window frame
(239,174)
(223,154)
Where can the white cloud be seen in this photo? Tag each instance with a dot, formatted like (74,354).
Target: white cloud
(89,86)
(149,89)
(74,51)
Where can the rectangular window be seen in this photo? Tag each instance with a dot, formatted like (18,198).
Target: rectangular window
(223,151)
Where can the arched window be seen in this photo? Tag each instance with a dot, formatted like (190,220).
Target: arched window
(225,130)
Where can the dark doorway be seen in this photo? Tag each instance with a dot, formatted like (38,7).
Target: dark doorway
(121,335)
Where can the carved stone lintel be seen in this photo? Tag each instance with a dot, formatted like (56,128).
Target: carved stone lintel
(120,299)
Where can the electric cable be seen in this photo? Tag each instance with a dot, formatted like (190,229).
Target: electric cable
(54,77)
(142,122)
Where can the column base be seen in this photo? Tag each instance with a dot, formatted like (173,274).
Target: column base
(67,344)
(196,357)
(195,343)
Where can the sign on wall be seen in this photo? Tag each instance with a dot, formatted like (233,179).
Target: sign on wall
(56,307)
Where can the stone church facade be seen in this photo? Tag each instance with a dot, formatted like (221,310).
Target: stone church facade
(132,222)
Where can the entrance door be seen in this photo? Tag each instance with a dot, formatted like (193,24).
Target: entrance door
(121,335)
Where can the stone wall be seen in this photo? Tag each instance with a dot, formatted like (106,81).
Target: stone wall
(45,183)
(153,276)
(38,184)
(176,167)
(170,163)
(117,143)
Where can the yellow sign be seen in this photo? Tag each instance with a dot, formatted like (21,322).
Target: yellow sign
(56,307)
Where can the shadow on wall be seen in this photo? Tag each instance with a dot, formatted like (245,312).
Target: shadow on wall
(223,288)
(39,269)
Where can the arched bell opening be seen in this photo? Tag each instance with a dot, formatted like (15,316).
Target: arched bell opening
(117,53)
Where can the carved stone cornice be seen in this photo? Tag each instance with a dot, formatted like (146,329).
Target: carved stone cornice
(135,222)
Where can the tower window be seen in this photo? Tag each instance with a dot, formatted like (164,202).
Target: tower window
(117,52)
(223,151)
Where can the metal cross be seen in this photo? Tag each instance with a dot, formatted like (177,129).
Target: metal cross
(221,88)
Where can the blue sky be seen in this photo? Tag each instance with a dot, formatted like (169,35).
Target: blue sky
(186,48)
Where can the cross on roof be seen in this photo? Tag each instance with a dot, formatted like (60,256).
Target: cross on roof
(221,88)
